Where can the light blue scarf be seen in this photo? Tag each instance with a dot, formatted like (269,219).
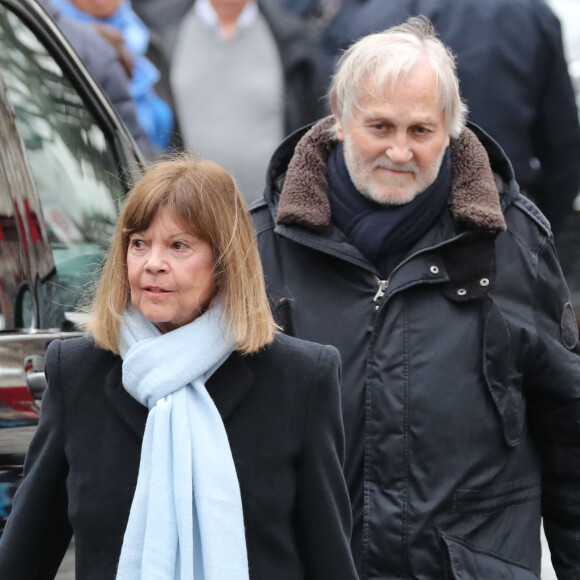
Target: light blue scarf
(186,519)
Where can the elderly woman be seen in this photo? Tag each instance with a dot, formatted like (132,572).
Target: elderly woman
(182,437)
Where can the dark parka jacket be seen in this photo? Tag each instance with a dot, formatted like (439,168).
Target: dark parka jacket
(461,371)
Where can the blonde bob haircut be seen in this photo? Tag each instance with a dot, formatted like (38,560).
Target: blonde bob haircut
(380,60)
(205,198)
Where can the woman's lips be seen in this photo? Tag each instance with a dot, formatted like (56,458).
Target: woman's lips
(156,290)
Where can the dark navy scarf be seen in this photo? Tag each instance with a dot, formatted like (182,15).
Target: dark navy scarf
(383,233)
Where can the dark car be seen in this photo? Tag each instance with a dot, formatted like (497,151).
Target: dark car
(64,167)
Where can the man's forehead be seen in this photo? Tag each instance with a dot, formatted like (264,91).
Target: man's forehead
(382,83)
(419,88)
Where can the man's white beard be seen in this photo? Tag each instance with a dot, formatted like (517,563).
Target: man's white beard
(395,192)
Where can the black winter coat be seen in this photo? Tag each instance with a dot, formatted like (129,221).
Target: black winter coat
(461,384)
(281,410)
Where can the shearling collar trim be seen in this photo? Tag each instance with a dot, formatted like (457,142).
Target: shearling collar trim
(474,199)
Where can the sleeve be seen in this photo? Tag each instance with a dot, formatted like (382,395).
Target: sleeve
(38,532)
(101,60)
(323,504)
(553,394)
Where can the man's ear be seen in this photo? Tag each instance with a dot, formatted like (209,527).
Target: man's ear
(339,130)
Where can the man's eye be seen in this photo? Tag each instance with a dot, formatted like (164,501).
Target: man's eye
(421,130)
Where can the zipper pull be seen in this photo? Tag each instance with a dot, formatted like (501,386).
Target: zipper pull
(383,285)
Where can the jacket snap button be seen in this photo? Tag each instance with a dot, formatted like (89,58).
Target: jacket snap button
(484,282)
(434,270)
(462,292)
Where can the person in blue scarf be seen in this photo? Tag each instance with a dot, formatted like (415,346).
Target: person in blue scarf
(154,114)
(184,437)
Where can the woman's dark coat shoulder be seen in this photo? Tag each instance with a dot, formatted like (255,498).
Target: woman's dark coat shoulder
(281,410)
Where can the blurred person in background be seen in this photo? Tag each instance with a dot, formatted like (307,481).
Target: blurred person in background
(116,21)
(514,78)
(103,63)
(245,74)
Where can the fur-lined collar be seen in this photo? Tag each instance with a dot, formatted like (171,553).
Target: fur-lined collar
(474,199)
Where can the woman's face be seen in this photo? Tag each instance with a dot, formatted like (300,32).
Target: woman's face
(171,272)
(97,8)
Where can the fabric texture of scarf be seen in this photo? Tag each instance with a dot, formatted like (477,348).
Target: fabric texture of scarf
(384,233)
(186,519)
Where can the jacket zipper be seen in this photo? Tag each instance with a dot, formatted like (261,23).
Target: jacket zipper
(384,284)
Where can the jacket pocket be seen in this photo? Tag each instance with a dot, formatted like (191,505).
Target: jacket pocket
(496,497)
(468,562)
(501,376)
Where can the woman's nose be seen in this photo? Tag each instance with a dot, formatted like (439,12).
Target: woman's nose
(155,260)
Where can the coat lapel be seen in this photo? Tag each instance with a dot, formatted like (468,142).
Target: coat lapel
(131,412)
(230,384)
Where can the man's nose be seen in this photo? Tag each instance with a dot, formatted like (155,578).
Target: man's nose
(398,150)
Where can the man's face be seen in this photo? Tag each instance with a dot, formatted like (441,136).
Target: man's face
(394,144)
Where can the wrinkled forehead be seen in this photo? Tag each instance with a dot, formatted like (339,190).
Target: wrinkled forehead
(417,85)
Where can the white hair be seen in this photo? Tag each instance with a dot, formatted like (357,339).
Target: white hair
(381,60)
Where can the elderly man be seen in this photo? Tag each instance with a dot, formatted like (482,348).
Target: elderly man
(396,233)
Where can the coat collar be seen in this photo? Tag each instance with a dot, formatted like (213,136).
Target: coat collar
(474,200)
(228,386)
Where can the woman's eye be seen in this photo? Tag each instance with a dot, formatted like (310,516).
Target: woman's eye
(137,244)
(179,245)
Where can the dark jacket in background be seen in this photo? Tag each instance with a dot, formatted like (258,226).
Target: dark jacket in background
(304,83)
(513,76)
(461,371)
(281,411)
(101,61)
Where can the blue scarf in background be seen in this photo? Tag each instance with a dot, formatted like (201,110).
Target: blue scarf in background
(186,520)
(383,233)
(154,114)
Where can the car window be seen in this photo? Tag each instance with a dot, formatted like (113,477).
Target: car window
(12,266)
(72,165)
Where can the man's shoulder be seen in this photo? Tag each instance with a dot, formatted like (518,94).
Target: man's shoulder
(525,220)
